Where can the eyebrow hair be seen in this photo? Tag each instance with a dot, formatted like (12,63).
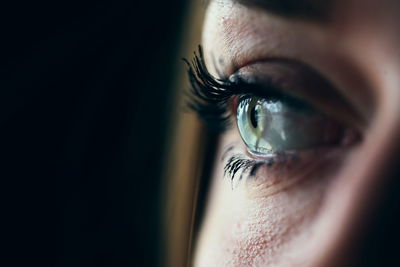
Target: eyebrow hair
(300,9)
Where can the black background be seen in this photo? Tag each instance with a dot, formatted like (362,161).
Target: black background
(85,93)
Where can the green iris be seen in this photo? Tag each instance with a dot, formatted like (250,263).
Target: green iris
(270,126)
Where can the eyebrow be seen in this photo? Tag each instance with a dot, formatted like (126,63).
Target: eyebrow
(317,10)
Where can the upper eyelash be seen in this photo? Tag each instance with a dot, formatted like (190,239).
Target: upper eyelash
(209,96)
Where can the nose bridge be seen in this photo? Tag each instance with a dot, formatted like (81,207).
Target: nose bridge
(361,218)
(378,246)
(379,242)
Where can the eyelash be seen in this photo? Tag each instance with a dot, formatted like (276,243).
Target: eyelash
(238,163)
(210,97)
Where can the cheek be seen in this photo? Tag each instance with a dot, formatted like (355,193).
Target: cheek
(246,226)
(240,231)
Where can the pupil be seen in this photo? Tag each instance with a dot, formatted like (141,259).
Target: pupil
(253,117)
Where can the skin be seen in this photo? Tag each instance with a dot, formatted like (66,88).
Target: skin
(309,213)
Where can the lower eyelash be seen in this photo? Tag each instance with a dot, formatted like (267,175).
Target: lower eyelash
(285,165)
(238,163)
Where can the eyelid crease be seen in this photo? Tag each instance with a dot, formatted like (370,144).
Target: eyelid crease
(298,9)
(302,9)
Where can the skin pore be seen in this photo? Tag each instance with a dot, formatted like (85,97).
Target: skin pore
(308,212)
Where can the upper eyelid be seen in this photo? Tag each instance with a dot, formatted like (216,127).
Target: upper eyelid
(210,95)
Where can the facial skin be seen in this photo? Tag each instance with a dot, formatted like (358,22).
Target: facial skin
(312,212)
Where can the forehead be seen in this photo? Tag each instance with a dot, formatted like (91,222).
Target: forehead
(232,25)
(319,10)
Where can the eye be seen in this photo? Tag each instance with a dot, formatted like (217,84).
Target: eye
(279,106)
(269,126)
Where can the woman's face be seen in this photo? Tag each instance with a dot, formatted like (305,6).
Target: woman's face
(314,125)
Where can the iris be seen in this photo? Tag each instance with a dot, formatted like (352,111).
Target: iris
(271,125)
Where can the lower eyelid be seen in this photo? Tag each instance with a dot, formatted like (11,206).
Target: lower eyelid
(268,183)
(270,179)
